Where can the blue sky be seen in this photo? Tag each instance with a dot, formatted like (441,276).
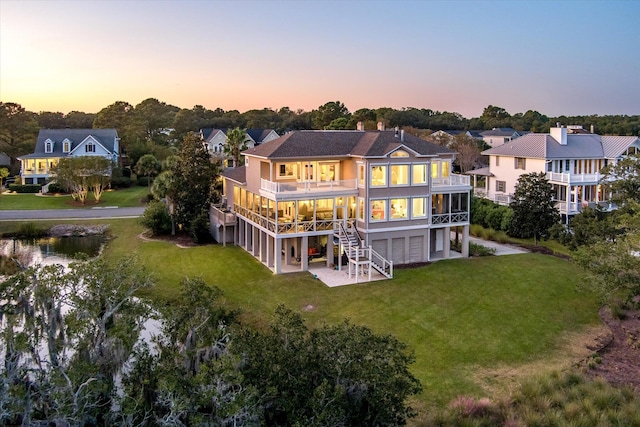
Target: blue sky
(556,57)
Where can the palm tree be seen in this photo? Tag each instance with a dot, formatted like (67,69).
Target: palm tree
(148,166)
(236,142)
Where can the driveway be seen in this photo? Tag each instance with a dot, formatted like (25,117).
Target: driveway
(99,212)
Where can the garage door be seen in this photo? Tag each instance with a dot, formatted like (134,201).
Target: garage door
(397,250)
(380,246)
(416,245)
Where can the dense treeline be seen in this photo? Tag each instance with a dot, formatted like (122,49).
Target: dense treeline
(152,124)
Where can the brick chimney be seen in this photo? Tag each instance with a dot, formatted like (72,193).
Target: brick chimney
(360,126)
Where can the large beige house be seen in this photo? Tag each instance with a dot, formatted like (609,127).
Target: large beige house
(571,158)
(362,200)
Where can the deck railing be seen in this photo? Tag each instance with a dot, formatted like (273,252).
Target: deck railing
(306,186)
(451,180)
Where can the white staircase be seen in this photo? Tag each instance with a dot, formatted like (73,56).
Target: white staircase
(358,254)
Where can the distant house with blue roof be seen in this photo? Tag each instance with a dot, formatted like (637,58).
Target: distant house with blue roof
(55,144)
(215,139)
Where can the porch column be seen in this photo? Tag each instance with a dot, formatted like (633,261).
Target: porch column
(465,241)
(304,254)
(278,255)
(269,249)
(446,244)
(255,241)
(426,245)
(329,250)
(287,251)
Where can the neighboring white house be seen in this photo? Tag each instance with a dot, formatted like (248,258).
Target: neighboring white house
(359,199)
(215,139)
(55,144)
(571,158)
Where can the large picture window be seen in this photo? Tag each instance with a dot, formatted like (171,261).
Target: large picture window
(379,176)
(419,174)
(378,210)
(398,208)
(419,207)
(399,174)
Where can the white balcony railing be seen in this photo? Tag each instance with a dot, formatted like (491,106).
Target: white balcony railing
(293,187)
(451,180)
(573,178)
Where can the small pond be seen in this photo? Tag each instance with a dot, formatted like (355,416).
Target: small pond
(51,250)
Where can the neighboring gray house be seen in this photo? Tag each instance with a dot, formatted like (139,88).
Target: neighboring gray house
(498,136)
(55,144)
(5,160)
(215,139)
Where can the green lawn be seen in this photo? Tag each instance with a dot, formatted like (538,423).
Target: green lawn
(129,197)
(459,316)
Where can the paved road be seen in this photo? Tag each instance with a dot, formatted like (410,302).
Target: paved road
(106,212)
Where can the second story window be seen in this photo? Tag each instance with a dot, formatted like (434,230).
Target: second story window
(379,176)
(90,148)
(497,160)
(287,170)
(398,208)
(501,186)
(520,163)
(418,207)
(48,147)
(361,175)
(378,210)
(66,146)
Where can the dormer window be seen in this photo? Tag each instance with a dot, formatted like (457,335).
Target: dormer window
(66,146)
(48,146)
(90,148)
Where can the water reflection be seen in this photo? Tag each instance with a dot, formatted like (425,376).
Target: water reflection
(50,250)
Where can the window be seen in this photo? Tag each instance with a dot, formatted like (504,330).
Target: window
(361,177)
(549,166)
(497,160)
(308,172)
(419,174)
(400,175)
(400,153)
(66,146)
(378,210)
(567,165)
(520,163)
(501,186)
(48,147)
(440,169)
(379,176)
(445,169)
(419,207)
(287,170)
(90,148)
(361,208)
(398,208)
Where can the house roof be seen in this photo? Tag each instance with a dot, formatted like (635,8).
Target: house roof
(579,146)
(343,143)
(238,174)
(258,135)
(106,137)
(499,132)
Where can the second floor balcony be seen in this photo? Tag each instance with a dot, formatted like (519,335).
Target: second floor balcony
(451,181)
(574,178)
(304,187)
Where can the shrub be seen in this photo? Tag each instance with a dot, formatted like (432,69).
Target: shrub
(55,187)
(27,188)
(199,229)
(156,218)
(143,181)
(494,217)
(121,182)
(479,250)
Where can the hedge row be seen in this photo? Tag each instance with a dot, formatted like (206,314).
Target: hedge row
(27,188)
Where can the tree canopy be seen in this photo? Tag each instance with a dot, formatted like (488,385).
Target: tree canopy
(534,210)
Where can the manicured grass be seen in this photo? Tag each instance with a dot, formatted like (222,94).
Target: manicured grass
(129,197)
(459,316)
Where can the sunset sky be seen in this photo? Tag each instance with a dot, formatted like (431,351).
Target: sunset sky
(559,58)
